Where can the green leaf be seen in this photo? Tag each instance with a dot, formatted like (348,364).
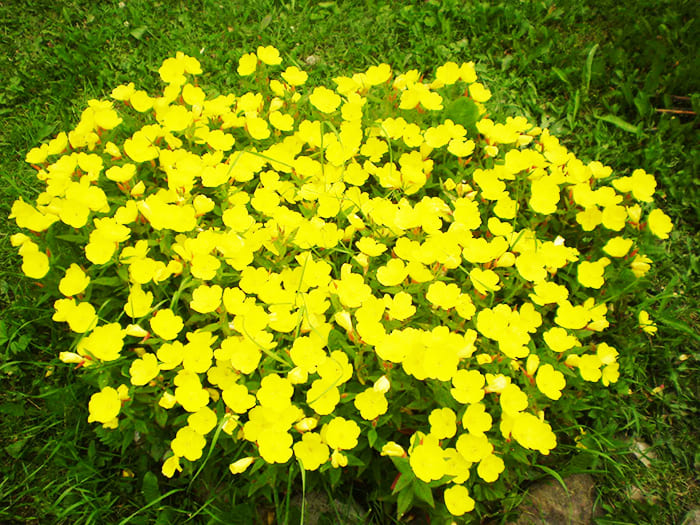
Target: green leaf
(423,492)
(620,123)
(555,475)
(138,32)
(678,325)
(265,21)
(161,416)
(464,111)
(372,437)
(562,75)
(15,449)
(589,67)
(402,466)
(402,482)
(404,501)
(71,237)
(149,487)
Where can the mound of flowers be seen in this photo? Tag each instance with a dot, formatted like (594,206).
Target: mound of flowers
(334,275)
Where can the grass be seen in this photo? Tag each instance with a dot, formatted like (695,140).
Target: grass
(616,82)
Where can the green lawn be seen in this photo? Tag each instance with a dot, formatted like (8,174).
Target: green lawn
(617,82)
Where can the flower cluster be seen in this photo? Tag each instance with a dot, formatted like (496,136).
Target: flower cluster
(318,272)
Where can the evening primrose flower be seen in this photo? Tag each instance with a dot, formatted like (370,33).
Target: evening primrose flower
(247,64)
(646,323)
(476,420)
(241,189)
(659,223)
(170,466)
(104,406)
(206,299)
(203,421)
(138,303)
(341,433)
(144,369)
(392,448)
(241,465)
(640,265)
(371,403)
(443,295)
(104,342)
(484,281)
(458,501)
(74,282)
(325,100)
(392,273)
(188,443)
(35,264)
(490,467)
(166,325)
(427,460)
(294,76)
(311,451)
(269,55)
(550,381)
(618,246)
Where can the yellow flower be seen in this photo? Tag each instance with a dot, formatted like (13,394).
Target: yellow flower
(275,446)
(35,264)
(533,433)
(269,55)
(247,64)
(341,433)
(170,466)
(479,92)
(294,76)
(188,443)
(646,323)
(173,71)
(550,381)
(104,342)
(370,247)
(203,421)
(443,423)
(393,449)
(323,396)
(448,73)
(237,398)
(458,501)
(241,465)
(206,299)
(484,281)
(324,100)
(473,447)
(640,265)
(659,223)
(513,399)
(104,406)
(138,303)
(427,460)
(378,74)
(166,325)
(618,246)
(400,307)
(490,467)
(144,369)
(392,273)
(559,340)
(476,420)
(311,451)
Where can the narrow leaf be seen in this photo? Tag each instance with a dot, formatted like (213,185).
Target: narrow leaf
(620,123)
